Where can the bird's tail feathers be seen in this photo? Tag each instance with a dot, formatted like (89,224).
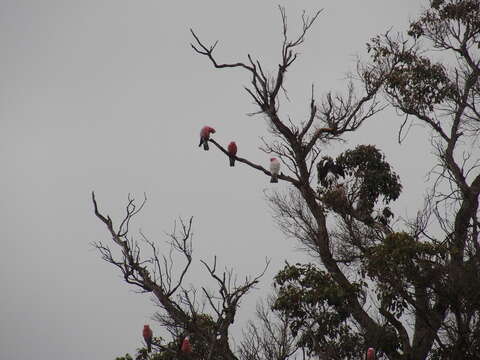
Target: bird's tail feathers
(205,145)
(274,178)
(232,161)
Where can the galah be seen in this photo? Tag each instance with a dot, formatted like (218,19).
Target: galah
(371,354)
(147,336)
(205,135)
(186,346)
(274,169)
(232,151)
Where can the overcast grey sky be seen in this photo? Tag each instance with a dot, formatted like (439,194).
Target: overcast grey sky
(108,96)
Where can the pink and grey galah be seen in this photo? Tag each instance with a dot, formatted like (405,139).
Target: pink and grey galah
(147,336)
(371,354)
(232,151)
(186,346)
(205,135)
(274,169)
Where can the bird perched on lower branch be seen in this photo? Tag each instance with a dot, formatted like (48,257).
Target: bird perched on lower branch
(147,336)
(370,354)
(186,346)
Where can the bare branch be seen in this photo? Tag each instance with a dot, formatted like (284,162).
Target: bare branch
(253,165)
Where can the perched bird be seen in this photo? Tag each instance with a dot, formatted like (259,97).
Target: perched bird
(323,167)
(385,216)
(232,151)
(329,171)
(186,346)
(387,213)
(274,169)
(205,135)
(371,354)
(147,336)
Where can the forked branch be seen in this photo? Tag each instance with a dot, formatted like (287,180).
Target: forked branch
(182,312)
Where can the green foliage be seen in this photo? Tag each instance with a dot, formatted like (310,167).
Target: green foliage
(465,12)
(206,322)
(200,348)
(469,346)
(401,262)
(319,310)
(126,357)
(368,164)
(368,178)
(416,83)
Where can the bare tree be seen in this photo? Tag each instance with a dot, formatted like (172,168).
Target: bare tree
(182,311)
(270,337)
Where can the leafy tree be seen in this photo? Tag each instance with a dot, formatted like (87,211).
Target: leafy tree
(444,95)
(408,289)
(319,311)
(422,271)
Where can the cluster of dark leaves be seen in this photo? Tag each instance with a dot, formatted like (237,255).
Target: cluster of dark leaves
(366,166)
(465,12)
(416,83)
(319,310)
(399,263)
(469,350)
